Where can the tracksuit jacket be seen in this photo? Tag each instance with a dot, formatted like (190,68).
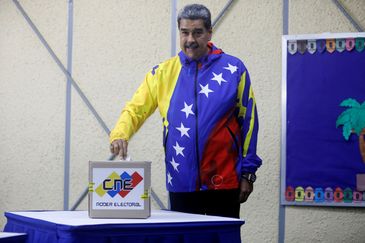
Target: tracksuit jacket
(209,117)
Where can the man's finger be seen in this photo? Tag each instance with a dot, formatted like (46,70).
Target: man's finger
(121,151)
(114,147)
(125,149)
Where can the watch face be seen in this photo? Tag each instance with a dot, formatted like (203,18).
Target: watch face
(249,177)
(252,178)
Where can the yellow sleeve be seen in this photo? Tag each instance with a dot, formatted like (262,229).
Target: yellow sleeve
(137,110)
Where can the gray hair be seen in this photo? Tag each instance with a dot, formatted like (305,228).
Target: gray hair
(195,11)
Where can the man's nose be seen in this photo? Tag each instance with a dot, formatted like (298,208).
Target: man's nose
(190,38)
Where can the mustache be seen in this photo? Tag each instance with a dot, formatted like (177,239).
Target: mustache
(192,45)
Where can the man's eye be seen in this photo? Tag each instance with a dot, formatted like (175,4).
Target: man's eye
(198,34)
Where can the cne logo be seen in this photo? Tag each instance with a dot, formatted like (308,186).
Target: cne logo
(119,184)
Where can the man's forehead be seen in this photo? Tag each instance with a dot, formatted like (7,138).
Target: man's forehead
(192,28)
(191,24)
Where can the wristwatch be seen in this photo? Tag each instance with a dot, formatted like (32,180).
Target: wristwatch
(250,177)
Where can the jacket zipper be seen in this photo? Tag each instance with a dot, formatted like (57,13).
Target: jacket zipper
(234,138)
(196,123)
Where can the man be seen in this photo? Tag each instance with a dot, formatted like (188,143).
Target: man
(209,118)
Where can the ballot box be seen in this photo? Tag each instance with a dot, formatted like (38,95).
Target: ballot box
(119,189)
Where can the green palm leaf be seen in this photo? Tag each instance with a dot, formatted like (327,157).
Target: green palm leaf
(343,118)
(352,119)
(346,131)
(350,103)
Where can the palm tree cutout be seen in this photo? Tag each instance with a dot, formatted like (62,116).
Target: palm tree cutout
(353,121)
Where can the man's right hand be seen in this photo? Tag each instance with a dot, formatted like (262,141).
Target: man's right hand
(119,148)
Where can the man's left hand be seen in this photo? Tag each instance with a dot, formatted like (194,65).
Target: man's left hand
(245,190)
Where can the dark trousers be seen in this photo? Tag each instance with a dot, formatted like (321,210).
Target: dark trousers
(211,202)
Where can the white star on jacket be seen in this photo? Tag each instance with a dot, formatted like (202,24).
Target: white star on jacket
(187,110)
(174,164)
(169,178)
(183,130)
(205,90)
(231,68)
(178,149)
(218,78)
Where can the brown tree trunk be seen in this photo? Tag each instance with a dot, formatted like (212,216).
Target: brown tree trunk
(362,144)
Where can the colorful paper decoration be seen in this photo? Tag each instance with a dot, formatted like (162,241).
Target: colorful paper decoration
(318,195)
(359,44)
(321,45)
(312,46)
(292,47)
(340,45)
(302,46)
(309,194)
(328,194)
(299,194)
(331,45)
(350,44)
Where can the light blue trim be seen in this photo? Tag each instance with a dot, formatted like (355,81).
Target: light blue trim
(66,181)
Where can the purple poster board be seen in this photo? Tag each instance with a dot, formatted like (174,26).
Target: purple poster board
(323,77)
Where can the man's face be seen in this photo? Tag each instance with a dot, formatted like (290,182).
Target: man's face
(194,38)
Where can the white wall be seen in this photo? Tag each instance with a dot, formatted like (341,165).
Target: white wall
(115,44)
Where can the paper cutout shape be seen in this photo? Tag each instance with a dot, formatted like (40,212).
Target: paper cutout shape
(350,44)
(299,194)
(328,194)
(359,43)
(338,195)
(347,195)
(331,45)
(302,46)
(318,195)
(289,194)
(311,46)
(292,46)
(352,119)
(309,194)
(357,196)
(340,45)
(321,45)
